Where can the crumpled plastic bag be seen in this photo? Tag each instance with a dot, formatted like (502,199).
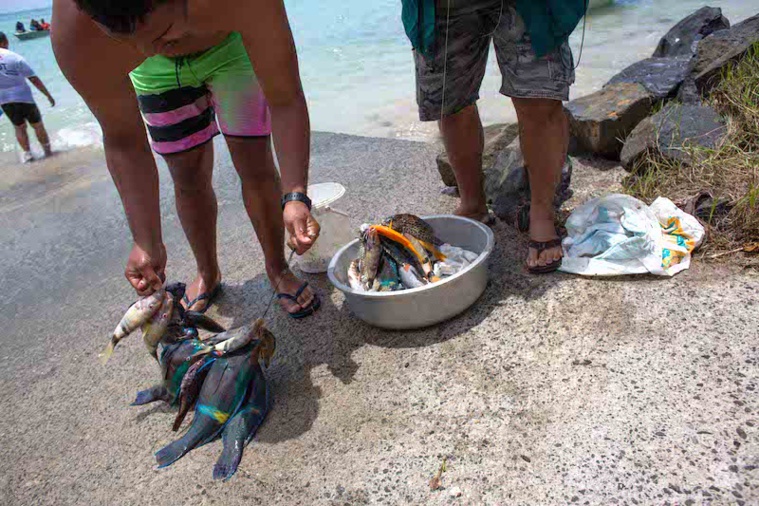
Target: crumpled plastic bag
(456,260)
(618,234)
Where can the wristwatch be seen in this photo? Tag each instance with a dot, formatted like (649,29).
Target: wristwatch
(293,196)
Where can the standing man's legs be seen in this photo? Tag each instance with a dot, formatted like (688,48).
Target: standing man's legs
(42,137)
(252,158)
(464,142)
(448,84)
(192,172)
(537,86)
(22,137)
(544,136)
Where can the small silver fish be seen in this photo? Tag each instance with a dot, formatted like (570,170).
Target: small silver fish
(232,340)
(354,276)
(139,313)
(410,278)
(154,329)
(370,262)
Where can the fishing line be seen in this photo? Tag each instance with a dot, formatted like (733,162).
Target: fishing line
(445,56)
(582,41)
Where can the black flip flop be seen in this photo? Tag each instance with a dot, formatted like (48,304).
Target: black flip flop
(541,246)
(210,297)
(308,311)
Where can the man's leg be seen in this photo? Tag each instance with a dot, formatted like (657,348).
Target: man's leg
(261,193)
(464,143)
(22,137)
(544,136)
(42,137)
(192,172)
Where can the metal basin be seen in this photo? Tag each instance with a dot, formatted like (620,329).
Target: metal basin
(429,304)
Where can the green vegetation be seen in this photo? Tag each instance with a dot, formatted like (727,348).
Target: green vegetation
(730,173)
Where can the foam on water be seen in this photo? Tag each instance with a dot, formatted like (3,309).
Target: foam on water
(357,68)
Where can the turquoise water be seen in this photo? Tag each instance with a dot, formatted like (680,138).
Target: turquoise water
(357,69)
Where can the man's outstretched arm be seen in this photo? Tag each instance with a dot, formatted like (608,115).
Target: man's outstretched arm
(107,91)
(37,82)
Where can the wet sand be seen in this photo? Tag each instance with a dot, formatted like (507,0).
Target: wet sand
(550,390)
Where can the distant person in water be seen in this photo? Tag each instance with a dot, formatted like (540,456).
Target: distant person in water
(44,25)
(20,27)
(195,69)
(17,101)
(451,42)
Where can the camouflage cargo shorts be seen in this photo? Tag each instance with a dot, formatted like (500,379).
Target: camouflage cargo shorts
(472,25)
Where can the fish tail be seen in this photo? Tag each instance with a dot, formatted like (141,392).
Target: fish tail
(108,351)
(152,394)
(240,430)
(179,448)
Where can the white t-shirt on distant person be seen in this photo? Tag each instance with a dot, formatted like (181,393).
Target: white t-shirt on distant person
(13,74)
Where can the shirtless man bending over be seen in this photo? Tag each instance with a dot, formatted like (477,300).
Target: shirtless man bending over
(191,69)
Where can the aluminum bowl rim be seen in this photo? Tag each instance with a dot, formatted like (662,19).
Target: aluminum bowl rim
(412,291)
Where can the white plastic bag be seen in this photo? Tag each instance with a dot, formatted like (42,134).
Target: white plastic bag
(618,234)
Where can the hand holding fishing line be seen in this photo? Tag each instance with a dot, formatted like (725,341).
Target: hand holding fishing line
(301,226)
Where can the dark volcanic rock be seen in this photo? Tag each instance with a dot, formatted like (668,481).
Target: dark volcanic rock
(507,187)
(671,130)
(660,76)
(720,49)
(683,38)
(601,121)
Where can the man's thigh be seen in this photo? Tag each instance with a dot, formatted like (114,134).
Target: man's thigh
(449,80)
(524,74)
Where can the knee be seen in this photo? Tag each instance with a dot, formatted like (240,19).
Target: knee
(538,113)
(188,173)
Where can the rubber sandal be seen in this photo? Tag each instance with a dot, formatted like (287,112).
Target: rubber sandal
(541,246)
(308,311)
(210,297)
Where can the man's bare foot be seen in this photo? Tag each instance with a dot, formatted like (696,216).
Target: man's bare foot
(285,281)
(542,229)
(201,285)
(478,213)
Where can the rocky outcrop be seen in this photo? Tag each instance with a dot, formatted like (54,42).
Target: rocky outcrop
(661,76)
(721,49)
(507,187)
(497,137)
(673,130)
(601,121)
(683,38)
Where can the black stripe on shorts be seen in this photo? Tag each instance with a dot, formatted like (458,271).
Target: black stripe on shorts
(170,100)
(182,129)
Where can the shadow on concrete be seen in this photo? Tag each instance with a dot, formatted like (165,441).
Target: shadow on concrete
(331,336)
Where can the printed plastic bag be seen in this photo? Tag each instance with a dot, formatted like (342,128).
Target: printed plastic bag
(618,234)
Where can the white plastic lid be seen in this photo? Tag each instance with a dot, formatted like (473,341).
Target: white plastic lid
(323,194)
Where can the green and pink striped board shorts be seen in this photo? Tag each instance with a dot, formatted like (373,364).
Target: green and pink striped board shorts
(186,101)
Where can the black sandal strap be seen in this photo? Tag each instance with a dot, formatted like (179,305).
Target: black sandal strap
(544,245)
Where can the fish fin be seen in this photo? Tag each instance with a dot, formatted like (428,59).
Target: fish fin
(432,249)
(152,394)
(241,429)
(107,352)
(202,321)
(178,449)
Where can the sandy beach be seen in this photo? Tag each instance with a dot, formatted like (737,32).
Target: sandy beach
(550,390)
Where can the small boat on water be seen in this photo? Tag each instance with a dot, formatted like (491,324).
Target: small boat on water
(34,34)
